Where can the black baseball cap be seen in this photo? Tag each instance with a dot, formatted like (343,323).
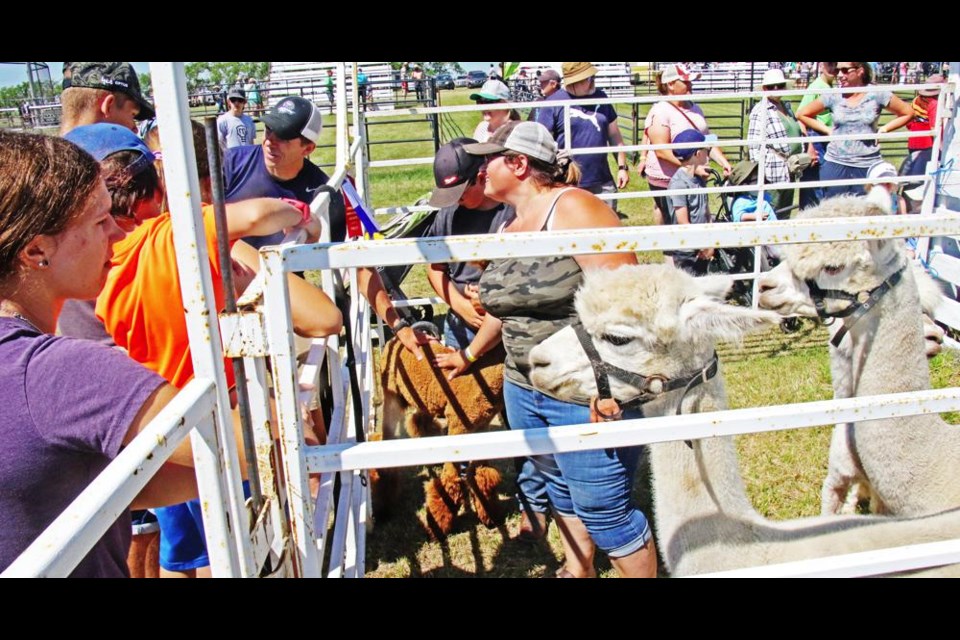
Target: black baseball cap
(453,169)
(112,76)
(293,117)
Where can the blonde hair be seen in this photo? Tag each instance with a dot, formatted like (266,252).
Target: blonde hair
(80,105)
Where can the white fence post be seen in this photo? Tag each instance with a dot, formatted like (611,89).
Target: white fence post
(221,493)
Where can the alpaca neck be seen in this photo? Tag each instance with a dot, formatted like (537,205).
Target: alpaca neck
(886,348)
(699,495)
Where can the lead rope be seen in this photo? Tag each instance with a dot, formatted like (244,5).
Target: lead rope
(644,383)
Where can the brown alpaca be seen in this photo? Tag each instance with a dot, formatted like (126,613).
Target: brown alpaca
(418,394)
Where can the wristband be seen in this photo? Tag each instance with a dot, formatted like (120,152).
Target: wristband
(623,167)
(468,355)
(402,323)
(302,207)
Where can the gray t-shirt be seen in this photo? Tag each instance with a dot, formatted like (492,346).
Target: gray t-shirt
(234,131)
(848,120)
(697,205)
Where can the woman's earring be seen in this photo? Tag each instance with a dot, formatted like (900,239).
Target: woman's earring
(43,263)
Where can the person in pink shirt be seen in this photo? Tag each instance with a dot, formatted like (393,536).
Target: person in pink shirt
(665,120)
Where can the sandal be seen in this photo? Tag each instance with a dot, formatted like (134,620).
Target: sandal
(563,572)
(533,526)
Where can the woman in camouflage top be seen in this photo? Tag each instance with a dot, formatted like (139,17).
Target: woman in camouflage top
(529,299)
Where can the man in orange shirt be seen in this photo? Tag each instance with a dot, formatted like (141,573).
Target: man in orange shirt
(140,306)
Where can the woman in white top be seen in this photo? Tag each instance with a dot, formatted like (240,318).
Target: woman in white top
(492,92)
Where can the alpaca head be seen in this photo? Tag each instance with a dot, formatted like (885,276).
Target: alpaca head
(649,319)
(851,266)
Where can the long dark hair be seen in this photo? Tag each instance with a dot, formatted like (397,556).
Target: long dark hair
(44,184)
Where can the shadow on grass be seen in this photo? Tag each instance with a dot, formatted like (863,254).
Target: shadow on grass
(402,545)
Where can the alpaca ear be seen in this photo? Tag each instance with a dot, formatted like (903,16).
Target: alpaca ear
(704,317)
(880,197)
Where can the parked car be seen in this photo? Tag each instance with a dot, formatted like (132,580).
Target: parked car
(462,80)
(476,78)
(445,81)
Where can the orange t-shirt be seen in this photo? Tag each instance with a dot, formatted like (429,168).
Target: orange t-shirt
(141,306)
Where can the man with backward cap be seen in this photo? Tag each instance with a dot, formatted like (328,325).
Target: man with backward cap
(464,210)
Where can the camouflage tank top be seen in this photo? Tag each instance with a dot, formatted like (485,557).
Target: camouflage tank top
(533,297)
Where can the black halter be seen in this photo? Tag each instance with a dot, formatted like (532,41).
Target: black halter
(862,302)
(650,386)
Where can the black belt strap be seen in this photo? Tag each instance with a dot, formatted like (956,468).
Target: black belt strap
(650,386)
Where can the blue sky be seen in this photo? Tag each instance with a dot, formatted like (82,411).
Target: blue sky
(17,73)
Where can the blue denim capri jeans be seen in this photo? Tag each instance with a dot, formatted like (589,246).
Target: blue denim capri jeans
(835,171)
(594,485)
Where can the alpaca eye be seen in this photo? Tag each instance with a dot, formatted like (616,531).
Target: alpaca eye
(618,341)
(832,270)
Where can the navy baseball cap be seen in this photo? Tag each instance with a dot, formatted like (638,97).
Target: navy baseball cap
(687,135)
(293,117)
(453,169)
(103,139)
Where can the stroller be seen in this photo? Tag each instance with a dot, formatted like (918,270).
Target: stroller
(737,260)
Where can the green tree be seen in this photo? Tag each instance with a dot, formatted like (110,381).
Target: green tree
(13,95)
(433,68)
(201,74)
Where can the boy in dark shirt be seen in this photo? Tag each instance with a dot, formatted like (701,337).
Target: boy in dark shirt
(691,208)
(464,210)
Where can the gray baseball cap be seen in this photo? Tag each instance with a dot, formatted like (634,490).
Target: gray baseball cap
(529,138)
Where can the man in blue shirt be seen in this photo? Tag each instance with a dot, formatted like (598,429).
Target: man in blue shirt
(590,126)
(280,167)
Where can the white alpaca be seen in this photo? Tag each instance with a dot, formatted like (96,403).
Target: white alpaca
(906,466)
(653,319)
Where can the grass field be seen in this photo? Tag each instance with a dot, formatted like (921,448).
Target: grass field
(782,470)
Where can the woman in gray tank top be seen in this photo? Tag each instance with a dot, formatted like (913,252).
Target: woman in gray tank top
(529,299)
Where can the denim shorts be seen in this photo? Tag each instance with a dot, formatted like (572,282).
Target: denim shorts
(457,333)
(593,485)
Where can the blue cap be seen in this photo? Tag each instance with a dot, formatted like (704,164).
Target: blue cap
(104,139)
(687,135)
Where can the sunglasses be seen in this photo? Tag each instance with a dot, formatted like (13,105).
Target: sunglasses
(776,87)
(846,70)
